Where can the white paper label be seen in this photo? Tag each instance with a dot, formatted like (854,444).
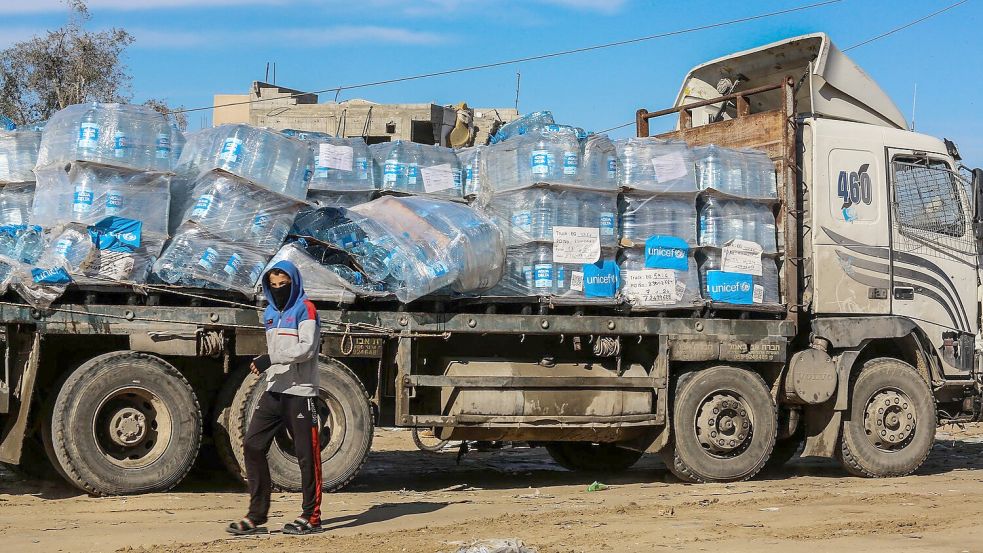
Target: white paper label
(669,167)
(437,178)
(741,256)
(758,295)
(651,287)
(576,244)
(577,281)
(335,157)
(680,290)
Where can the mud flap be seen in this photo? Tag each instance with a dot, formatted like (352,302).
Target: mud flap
(822,427)
(26,357)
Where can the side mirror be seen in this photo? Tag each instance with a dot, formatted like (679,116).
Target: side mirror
(978,203)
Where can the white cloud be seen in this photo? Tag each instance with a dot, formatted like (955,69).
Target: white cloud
(308,36)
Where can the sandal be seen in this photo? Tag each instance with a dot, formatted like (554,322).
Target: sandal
(301,526)
(244,527)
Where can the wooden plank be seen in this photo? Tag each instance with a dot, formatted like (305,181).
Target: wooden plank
(761,131)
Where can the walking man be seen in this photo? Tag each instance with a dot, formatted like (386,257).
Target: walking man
(293,338)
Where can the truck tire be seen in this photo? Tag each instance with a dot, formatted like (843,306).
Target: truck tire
(724,423)
(889,428)
(126,423)
(592,457)
(346,433)
(221,415)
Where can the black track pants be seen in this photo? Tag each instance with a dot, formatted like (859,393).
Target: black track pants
(274,412)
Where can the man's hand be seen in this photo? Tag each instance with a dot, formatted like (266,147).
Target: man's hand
(260,364)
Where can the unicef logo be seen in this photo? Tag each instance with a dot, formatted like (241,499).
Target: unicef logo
(680,254)
(745,287)
(128,237)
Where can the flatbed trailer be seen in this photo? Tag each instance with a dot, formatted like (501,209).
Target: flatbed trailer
(116,388)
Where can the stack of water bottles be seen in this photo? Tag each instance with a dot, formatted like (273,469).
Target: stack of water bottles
(102,197)
(344,171)
(20,242)
(411,168)
(250,184)
(407,246)
(470,160)
(658,225)
(737,228)
(556,203)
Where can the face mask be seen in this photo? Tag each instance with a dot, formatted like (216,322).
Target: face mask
(280,296)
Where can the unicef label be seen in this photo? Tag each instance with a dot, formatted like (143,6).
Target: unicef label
(88,135)
(666,252)
(540,162)
(601,279)
(570,163)
(208,258)
(734,288)
(231,150)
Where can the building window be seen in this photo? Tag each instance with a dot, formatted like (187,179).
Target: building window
(391,127)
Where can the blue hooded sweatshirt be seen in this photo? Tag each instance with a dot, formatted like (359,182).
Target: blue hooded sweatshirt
(293,338)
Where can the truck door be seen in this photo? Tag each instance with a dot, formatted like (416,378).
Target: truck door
(933,254)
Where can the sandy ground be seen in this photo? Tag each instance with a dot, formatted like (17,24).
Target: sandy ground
(407,500)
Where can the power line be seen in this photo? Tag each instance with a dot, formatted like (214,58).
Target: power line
(905,26)
(857,45)
(527,58)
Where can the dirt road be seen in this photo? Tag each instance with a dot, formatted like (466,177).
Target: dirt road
(411,501)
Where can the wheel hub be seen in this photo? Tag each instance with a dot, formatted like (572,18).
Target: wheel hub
(128,426)
(889,419)
(722,424)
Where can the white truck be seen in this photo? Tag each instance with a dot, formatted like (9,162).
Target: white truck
(872,349)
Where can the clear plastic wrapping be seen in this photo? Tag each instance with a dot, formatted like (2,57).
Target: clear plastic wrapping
(415,246)
(18,155)
(522,125)
(470,160)
(655,286)
(724,219)
(235,210)
(543,156)
(20,247)
(339,163)
(644,215)
(195,258)
(741,173)
(529,215)
(120,135)
(655,165)
(16,201)
(600,170)
(87,193)
(321,281)
(418,169)
(744,287)
(324,198)
(532,271)
(262,156)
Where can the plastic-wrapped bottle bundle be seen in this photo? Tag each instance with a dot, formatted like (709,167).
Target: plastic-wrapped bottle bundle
(418,169)
(339,163)
(262,156)
(723,220)
(530,215)
(470,160)
(236,211)
(645,287)
(120,135)
(87,193)
(193,257)
(321,282)
(545,156)
(522,125)
(759,176)
(324,198)
(18,155)
(600,171)
(655,165)
(644,215)
(20,247)
(178,141)
(16,201)
(742,173)
(723,287)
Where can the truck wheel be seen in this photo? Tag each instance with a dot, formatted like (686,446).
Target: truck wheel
(126,423)
(724,425)
(220,422)
(346,432)
(592,457)
(890,426)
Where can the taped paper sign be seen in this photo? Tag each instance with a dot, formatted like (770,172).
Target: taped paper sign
(577,281)
(669,167)
(437,178)
(576,244)
(741,256)
(334,157)
(652,287)
(758,295)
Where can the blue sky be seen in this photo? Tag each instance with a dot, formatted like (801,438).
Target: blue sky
(188,50)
